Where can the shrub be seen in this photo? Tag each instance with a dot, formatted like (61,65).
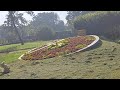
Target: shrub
(3,41)
(104,23)
(45,34)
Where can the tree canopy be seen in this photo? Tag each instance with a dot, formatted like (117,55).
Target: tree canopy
(17,29)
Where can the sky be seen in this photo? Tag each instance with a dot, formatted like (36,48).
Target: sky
(62,15)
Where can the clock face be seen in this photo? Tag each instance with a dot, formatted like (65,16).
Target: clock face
(60,47)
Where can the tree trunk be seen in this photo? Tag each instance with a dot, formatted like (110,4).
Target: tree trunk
(22,43)
(14,27)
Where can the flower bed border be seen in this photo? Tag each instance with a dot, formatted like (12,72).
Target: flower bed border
(93,44)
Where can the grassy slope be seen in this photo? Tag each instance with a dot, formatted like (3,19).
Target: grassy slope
(16,50)
(19,46)
(102,62)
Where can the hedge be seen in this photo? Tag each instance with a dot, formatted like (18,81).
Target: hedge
(99,22)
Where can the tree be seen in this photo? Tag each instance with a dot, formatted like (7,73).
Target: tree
(60,26)
(45,33)
(49,19)
(15,20)
(102,23)
(72,15)
(40,21)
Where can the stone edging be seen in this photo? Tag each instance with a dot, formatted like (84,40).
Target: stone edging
(93,43)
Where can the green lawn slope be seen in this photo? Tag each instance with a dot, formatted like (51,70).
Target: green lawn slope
(102,62)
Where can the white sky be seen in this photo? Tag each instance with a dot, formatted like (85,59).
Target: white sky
(62,15)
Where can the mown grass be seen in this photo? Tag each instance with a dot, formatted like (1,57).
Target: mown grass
(11,53)
(12,56)
(15,47)
(100,63)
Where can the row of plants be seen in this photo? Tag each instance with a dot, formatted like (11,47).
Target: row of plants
(60,47)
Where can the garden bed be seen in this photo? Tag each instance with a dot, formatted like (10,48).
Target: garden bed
(61,47)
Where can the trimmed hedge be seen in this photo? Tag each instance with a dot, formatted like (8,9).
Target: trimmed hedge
(99,23)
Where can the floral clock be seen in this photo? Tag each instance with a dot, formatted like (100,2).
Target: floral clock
(61,47)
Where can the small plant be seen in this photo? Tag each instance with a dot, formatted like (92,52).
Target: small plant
(81,46)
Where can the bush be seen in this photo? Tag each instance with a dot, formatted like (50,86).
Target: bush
(3,41)
(45,34)
(104,23)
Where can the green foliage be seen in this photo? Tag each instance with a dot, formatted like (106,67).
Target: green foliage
(15,21)
(47,20)
(71,15)
(96,17)
(45,33)
(42,27)
(3,41)
(99,22)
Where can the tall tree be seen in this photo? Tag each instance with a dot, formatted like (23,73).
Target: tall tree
(49,19)
(70,17)
(15,20)
(72,14)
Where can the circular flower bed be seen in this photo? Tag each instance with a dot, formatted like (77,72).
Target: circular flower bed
(59,47)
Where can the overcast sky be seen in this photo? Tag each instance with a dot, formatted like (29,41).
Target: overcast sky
(62,15)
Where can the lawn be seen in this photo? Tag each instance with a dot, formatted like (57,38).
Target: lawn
(27,45)
(10,53)
(102,62)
